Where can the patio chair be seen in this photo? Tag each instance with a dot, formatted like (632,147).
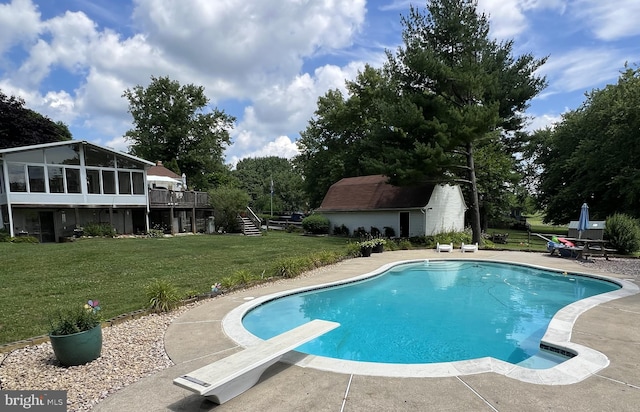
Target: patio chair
(469,248)
(444,247)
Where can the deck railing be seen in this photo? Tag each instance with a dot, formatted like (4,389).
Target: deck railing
(163,198)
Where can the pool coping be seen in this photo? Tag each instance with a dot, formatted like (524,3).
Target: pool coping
(585,363)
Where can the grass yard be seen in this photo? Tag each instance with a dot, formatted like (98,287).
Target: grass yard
(37,279)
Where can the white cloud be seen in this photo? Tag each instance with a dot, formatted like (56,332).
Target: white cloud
(249,43)
(282,110)
(609,20)
(582,69)
(282,146)
(72,37)
(543,121)
(506,16)
(19,23)
(118,143)
(61,105)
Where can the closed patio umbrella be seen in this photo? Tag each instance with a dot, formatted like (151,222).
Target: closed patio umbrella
(583,222)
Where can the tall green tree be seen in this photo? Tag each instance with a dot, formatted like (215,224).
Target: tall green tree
(176,123)
(471,90)
(20,126)
(448,94)
(255,175)
(591,155)
(339,141)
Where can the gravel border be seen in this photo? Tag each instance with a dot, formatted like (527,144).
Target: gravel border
(131,350)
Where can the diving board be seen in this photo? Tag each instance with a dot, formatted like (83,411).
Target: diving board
(229,377)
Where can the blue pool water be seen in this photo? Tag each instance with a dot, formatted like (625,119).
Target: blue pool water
(428,312)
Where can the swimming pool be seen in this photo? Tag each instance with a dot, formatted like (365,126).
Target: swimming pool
(428,312)
(557,335)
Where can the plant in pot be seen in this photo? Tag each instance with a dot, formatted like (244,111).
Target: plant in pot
(378,244)
(366,247)
(76,334)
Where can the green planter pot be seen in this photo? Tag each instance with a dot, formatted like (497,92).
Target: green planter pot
(78,348)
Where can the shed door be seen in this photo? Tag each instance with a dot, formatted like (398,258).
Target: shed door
(404,224)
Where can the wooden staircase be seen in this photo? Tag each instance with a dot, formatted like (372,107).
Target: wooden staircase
(248,227)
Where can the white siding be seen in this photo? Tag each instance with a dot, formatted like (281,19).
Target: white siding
(445,210)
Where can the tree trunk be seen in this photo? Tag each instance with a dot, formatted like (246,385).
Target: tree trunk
(475,206)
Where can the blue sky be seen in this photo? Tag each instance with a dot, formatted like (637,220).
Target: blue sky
(266,62)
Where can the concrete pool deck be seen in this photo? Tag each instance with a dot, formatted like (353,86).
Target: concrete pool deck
(197,338)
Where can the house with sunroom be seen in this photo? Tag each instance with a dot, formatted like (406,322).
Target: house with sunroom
(371,202)
(50,190)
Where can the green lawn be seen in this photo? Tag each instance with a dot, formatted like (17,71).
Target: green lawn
(36,279)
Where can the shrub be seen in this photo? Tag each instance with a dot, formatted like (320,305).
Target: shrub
(293,266)
(228,283)
(242,277)
(316,224)
(389,232)
(451,237)
(341,230)
(99,229)
(360,232)
(4,236)
(419,241)
(155,233)
(375,232)
(405,245)
(162,296)
(227,202)
(292,229)
(623,232)
(391,245)
(353,249)
(25,239)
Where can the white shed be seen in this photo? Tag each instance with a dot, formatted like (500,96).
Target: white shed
(369,201)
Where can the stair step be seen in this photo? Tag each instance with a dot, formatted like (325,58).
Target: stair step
(248,227)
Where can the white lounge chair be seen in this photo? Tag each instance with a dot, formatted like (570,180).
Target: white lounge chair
(444,247)
(229,377)
(469,248)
